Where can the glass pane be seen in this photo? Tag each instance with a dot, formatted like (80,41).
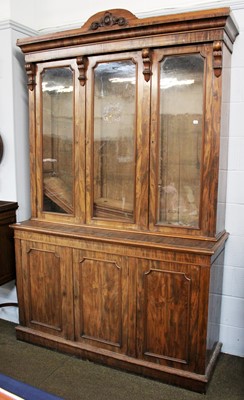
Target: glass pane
(57,125)
(180,139)
(114,139)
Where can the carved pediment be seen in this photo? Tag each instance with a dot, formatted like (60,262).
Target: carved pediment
(108,19)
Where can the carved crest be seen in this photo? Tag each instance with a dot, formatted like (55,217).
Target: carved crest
(108,20)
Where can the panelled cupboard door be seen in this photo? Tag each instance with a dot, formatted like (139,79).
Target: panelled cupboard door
(101,300)
(167,313)
(117,147)
(47,288)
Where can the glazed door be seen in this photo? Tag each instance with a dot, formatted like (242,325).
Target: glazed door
(47,288)
(101,300)
(167,313)
(117,141)
(180,131)
(60,141)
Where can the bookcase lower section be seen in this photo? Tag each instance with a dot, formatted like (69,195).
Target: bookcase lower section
(148,308)
(173,376)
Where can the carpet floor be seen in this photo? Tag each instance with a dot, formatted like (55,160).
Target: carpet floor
(75,379)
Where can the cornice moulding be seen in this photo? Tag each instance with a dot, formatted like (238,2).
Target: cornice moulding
(16,26)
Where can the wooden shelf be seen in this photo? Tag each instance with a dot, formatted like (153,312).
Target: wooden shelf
(56,190)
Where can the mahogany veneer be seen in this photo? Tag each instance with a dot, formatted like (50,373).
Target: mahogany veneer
(121,260)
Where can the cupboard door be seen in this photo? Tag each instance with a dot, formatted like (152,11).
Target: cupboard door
(167,313)
(117,147)
(47,288)
(100,300)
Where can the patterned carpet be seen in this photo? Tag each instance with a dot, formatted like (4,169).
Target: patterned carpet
(74,379)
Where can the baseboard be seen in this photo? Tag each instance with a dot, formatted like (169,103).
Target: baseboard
(168,375)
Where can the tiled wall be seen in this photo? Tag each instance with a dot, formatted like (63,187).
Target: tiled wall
(232,315)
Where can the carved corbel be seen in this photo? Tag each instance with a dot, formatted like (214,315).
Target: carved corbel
(82,63)
(31,75)
(217,58)
(146,58)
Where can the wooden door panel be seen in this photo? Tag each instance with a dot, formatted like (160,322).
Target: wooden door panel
(101,299)
(167,312)
(47,290)
(167,308)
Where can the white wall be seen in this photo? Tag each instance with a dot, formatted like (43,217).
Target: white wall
(54,15)
(7,167)
(14,168)
(48,15)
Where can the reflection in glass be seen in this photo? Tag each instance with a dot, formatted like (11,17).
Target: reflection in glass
(114,139)
(180,140)
(57,125)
